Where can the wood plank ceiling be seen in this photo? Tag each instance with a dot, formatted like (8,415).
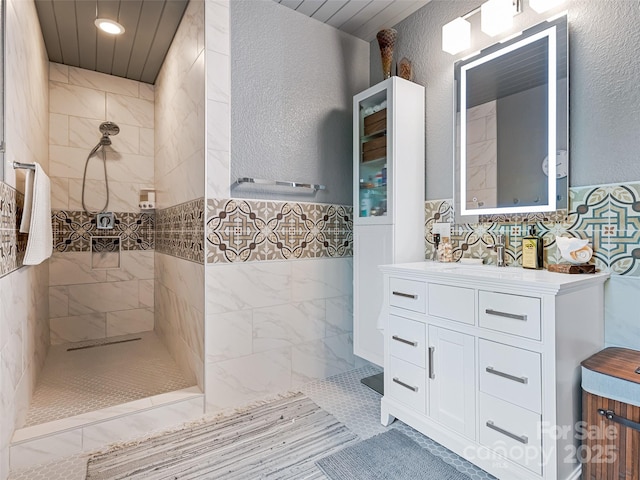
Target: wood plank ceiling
(360,18)
(71,37)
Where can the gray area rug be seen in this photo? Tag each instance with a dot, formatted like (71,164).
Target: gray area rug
(388,456)
(278,440)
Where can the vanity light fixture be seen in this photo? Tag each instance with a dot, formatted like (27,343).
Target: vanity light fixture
(496,17)
(109,26)
(541,6)
(456,36)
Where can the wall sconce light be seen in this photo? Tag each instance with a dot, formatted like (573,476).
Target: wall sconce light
(496,17)
(456,36)
(540,6)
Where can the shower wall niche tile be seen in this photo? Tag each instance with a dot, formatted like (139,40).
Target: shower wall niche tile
(72,230)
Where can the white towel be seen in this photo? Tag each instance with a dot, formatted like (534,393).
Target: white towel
(37,209)
(28,201)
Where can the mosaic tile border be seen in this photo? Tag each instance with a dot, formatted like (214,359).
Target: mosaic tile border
(607,215)
(13,244)
(180,231)
(252,230)
(72,230)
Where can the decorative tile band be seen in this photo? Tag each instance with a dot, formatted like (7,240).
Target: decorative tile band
(13,244)
(72,230)
(607,215)
(249,230)
(180,231)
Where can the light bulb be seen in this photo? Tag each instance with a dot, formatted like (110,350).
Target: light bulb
(456,36)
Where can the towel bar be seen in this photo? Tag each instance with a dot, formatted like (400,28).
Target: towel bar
(280,183)
(28,166)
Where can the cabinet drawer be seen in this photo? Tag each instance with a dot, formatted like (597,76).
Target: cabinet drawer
(406,383)
(511,431)
(507,313)
(408,294)
(510,373)
(452,303)
(407,340)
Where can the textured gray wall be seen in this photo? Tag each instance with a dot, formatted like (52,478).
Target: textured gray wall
(292,83)
(604,96)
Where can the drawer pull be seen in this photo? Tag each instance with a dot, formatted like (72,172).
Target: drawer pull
(497,313)
(402,340)
(493,371)
(405,295)
(611,415)
(432,375)
(519,438)
(405,385)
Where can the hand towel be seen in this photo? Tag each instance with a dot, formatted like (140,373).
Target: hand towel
(28,201)
(40,240)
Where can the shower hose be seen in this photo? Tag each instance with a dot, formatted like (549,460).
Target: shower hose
(106,179)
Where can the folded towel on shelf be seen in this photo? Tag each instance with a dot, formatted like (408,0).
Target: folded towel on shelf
(36,217)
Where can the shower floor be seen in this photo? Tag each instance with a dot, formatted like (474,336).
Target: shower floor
(80,381)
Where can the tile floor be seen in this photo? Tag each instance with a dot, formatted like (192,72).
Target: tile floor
(342,395)
(102,376)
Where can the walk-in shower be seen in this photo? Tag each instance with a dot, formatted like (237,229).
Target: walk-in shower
(107,129)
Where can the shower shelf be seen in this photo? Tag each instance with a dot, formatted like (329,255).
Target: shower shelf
(281,183)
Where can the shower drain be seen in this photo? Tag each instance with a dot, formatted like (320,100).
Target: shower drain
(103,344)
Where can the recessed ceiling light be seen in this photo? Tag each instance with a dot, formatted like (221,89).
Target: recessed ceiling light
(109,26)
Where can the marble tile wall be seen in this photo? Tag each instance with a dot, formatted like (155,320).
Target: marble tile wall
(24,328)
(179,312)
(218,94)
(482,152)
(273,325)
(180,114)
(607,215)
(79,100)
(180,189)
(88,303)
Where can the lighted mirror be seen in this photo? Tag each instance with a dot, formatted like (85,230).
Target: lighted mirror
(511,120)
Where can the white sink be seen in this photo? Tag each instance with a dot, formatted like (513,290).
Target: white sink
(484,270)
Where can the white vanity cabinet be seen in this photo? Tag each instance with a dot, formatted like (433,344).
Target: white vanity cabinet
(485,361)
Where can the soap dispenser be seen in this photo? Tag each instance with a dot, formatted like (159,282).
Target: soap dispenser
(532,250)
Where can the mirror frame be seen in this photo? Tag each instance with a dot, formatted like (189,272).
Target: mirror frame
(547,29)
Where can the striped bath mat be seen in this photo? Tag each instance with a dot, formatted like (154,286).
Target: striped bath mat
(278,440)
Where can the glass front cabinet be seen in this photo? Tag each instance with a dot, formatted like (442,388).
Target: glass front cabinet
(388,196)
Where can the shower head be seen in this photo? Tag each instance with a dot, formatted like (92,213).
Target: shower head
(108,128)
(105,140)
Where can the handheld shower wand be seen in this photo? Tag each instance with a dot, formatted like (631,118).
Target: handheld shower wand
(107,129)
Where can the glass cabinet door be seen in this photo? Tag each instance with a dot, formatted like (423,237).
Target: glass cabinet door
(372,164)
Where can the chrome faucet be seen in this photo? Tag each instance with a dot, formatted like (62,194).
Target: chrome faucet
(499,248)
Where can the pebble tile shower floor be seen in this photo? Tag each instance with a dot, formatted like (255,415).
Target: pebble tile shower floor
(342,395)
(86,380)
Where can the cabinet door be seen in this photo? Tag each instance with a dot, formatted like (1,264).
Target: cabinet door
(452,380)
(372,246)
(372,142)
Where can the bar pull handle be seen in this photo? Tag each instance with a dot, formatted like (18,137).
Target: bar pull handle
(402,340)
(432,374)
(520,438)
(610,415)
(405,295)
(493,371)
(405,385)
(497,313)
